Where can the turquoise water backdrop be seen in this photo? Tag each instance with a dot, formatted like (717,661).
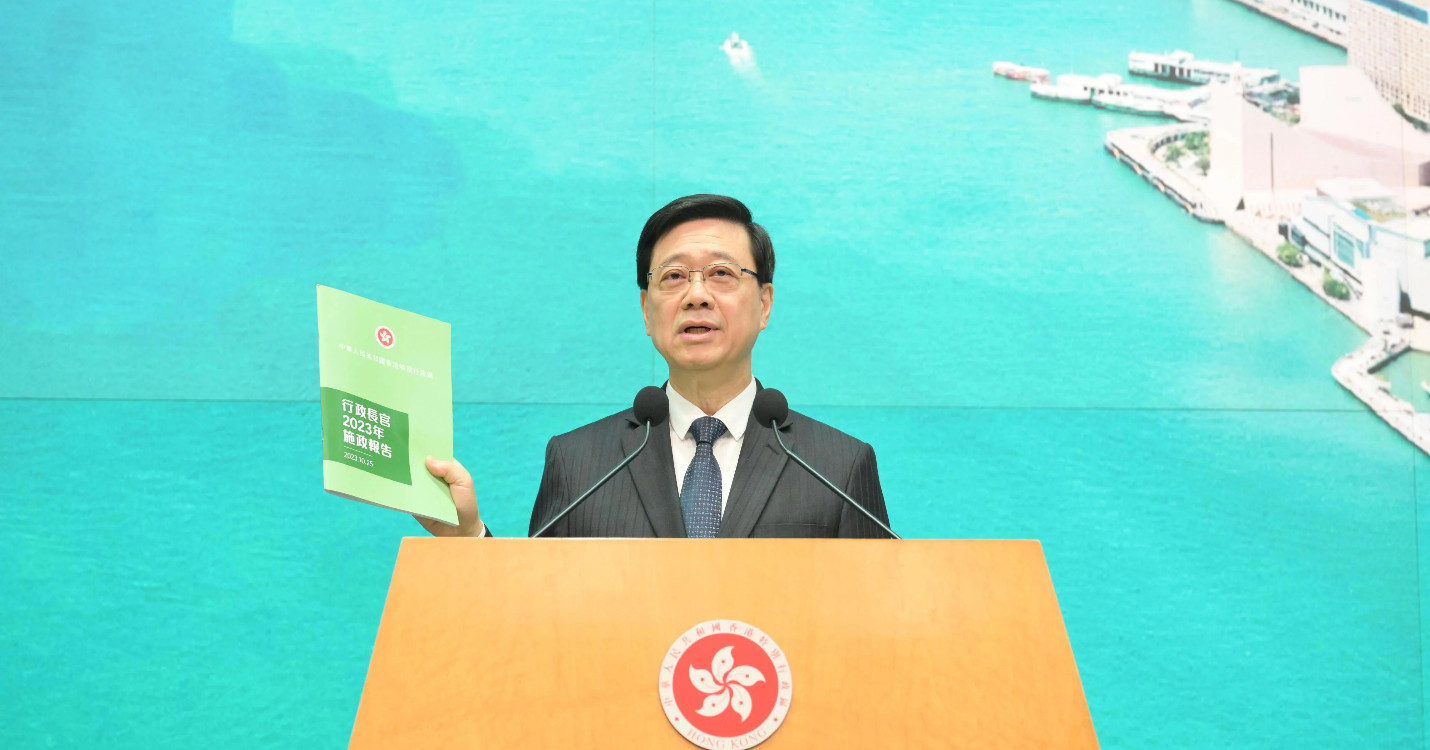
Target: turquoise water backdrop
(1037,344)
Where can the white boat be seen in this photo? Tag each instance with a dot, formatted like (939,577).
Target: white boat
(1072,87)
(1118,101)
(1018,72)
(1183,67)
(740,53)
(1058,92)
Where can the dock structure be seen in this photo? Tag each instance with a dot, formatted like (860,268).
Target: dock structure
(1183,67)
(1355,373)
(1356,370)
(1136,148)
(1109,91)
(1388,338)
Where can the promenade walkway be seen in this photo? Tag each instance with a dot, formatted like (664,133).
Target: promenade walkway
(1282,11)
(1136,147)
(1262,234)
(1354,371)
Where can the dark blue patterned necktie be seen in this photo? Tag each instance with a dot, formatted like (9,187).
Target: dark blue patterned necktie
(700,493)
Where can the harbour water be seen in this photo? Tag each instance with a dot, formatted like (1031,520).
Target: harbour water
(1037,345)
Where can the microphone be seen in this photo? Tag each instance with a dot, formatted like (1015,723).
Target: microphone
(770,409)
(651,408)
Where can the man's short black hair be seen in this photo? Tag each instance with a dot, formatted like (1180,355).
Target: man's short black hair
(704,206)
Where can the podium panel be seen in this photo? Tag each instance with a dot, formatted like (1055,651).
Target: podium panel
(559,643)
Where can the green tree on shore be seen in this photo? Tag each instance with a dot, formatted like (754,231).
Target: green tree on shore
(1334,288)
(1174,154)
(1290,255)
(1204,163)
(1197,143)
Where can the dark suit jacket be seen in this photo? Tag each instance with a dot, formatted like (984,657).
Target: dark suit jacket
(771,496)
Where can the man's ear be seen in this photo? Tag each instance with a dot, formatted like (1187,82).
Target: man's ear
(645,315)
(767,300)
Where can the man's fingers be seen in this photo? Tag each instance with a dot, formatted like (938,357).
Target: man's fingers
(450,471)
(464,497)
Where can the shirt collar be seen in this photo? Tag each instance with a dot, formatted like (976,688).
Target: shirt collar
(735,415)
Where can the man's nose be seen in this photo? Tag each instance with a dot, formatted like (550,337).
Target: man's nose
(696,293)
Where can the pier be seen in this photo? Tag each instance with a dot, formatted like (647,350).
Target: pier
(1355,373)
(1136,148)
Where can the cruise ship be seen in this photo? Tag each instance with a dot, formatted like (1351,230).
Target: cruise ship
(1184,67)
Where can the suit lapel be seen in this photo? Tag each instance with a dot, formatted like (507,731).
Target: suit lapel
(653,472)
(761,461)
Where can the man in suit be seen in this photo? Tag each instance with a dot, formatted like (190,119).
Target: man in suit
(706,271)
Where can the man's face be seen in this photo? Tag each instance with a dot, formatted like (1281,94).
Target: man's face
(698,329)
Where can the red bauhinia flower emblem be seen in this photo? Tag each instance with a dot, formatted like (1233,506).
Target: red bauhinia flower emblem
(724,685)
(725,706)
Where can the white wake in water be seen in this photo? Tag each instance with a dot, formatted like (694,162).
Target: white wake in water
(742,56)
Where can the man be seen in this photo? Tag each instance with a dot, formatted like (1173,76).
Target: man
(706,274)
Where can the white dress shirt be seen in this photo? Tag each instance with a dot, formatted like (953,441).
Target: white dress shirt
(735,415)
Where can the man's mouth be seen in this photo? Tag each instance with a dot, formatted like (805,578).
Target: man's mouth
(697,332)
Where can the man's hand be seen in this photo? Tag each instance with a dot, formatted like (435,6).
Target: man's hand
(464,496)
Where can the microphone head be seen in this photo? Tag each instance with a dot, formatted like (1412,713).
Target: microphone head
(652,405)
(770,406)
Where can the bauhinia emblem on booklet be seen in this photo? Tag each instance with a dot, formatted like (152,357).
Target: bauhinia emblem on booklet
(725,684)
(385,378)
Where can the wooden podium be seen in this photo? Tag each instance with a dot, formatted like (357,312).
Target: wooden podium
(558,643)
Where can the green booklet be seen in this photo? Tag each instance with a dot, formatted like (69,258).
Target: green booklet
(386,380)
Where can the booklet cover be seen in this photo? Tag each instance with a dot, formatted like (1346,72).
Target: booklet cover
(386,383)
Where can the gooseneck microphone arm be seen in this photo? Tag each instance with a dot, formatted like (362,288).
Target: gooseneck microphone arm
(831,485)
(596,486)
(773,408)
(651,407)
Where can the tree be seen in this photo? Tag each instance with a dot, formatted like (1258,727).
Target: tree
(1289,254)
(1204,163)
(1174,154)
(1197,142)
(1334,288)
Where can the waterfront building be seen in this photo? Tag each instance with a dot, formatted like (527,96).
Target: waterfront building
(1390,41)
(1378,244)
(1266,165)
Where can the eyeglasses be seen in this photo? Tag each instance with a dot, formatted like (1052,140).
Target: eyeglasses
(719,277)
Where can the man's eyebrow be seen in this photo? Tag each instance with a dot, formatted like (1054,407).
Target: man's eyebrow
(684,257)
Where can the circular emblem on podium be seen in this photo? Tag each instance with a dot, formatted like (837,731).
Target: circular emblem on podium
(725,685)
(385,337)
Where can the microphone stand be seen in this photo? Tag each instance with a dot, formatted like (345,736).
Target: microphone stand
(598,484)
(774,425)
